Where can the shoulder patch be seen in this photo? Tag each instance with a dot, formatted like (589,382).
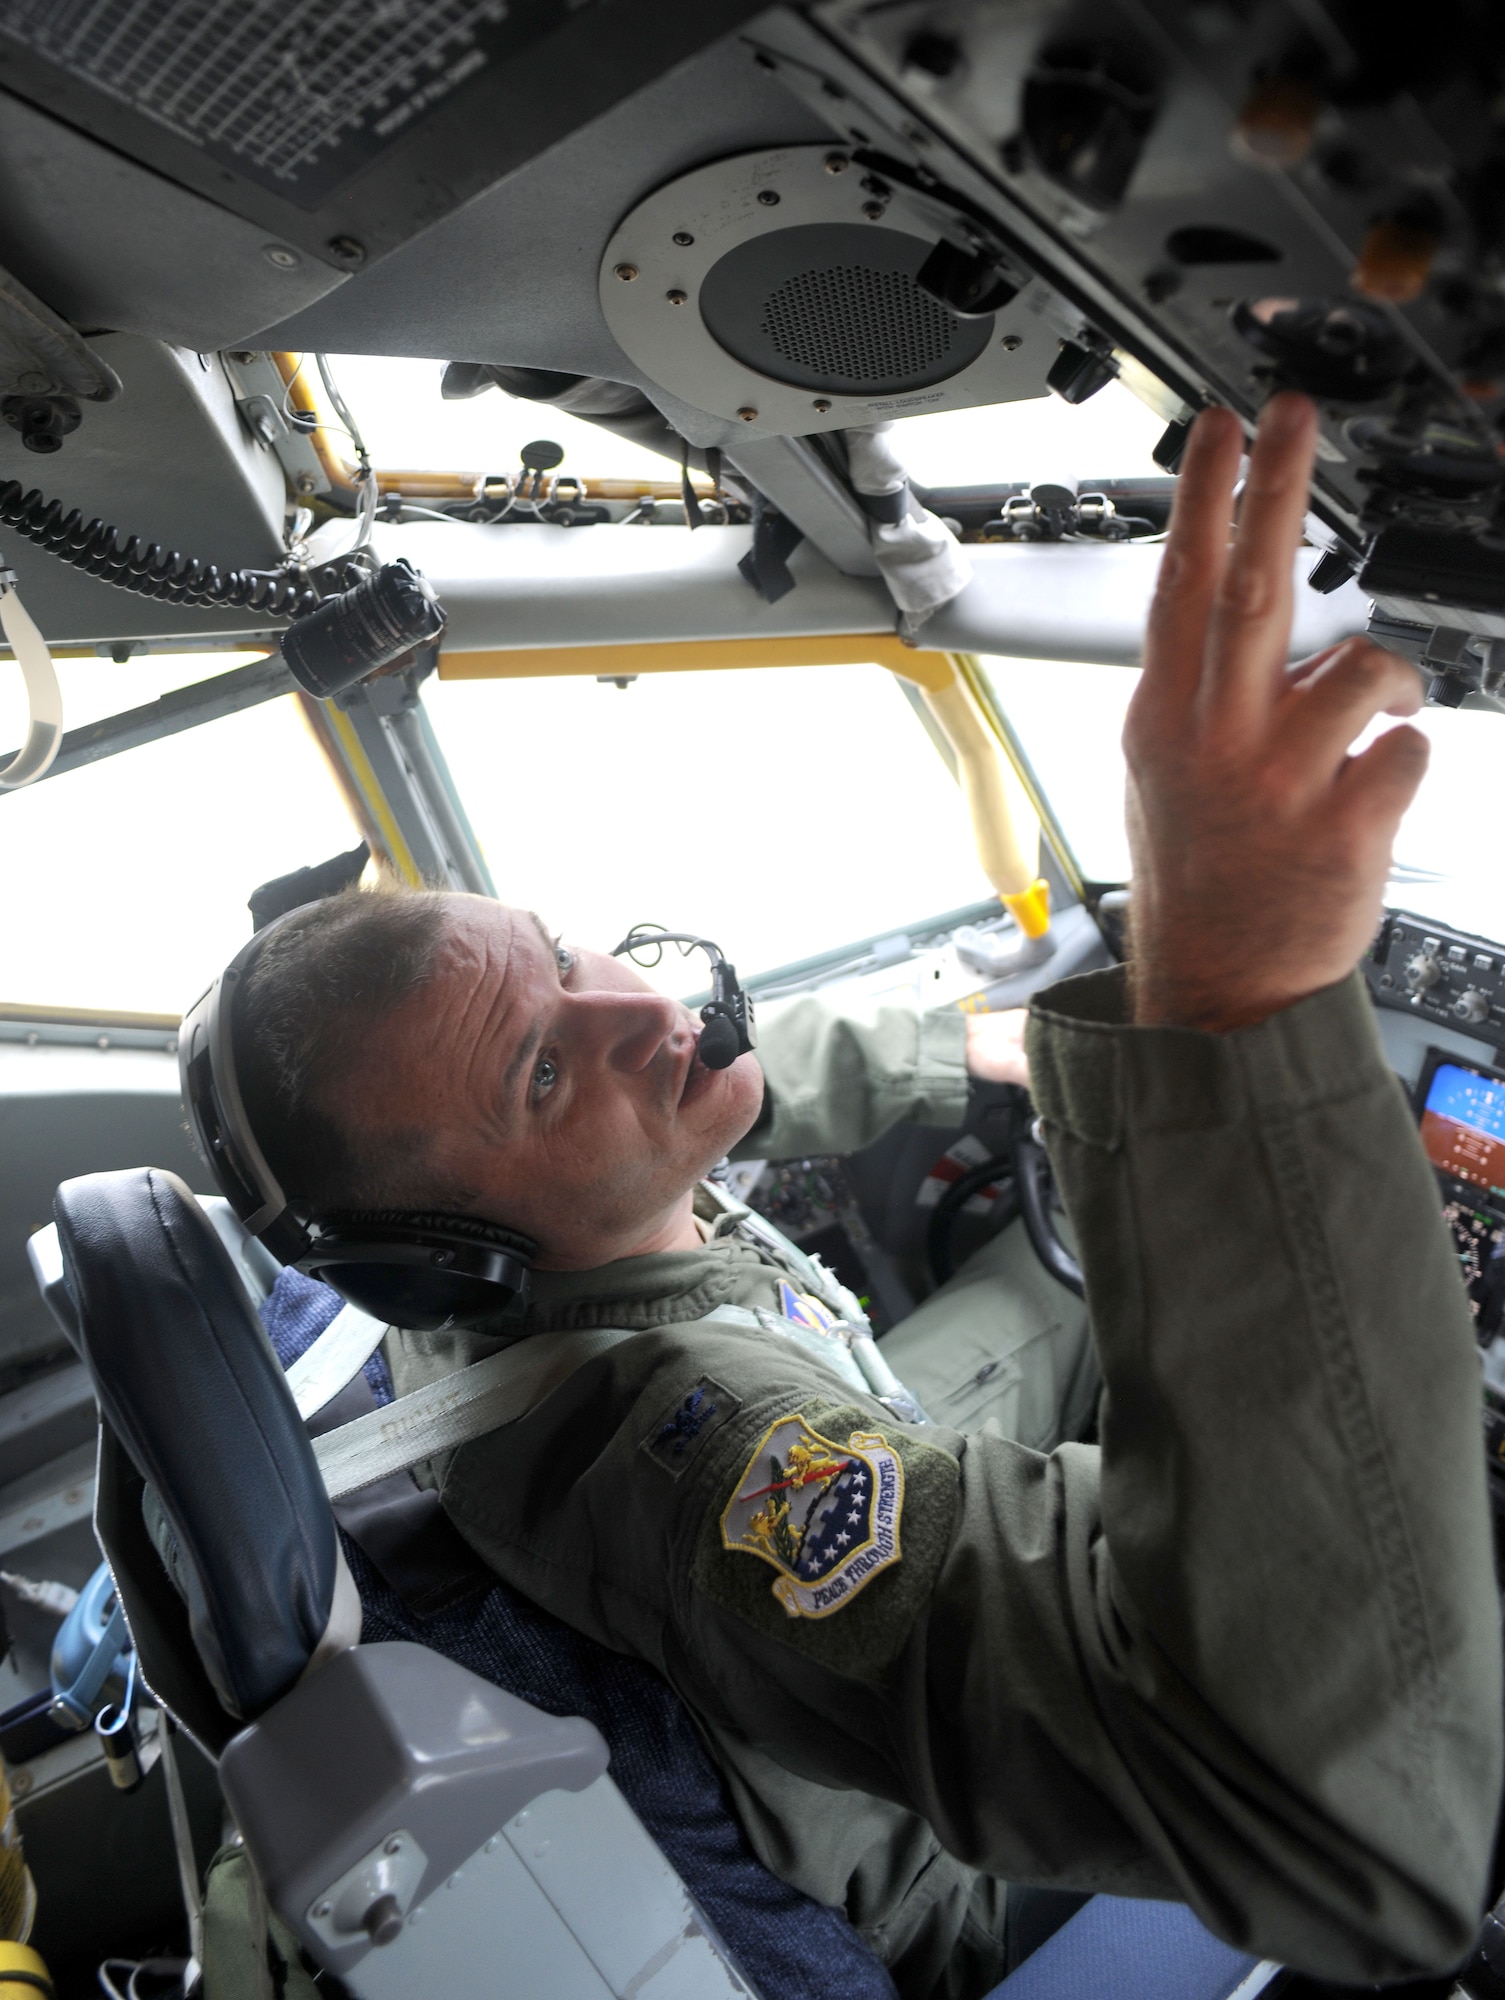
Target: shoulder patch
(804,1309)
(880,1580)
(676,1440)
(825,1515)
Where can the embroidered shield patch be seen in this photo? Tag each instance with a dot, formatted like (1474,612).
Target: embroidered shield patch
(825,1515)
(805,1309)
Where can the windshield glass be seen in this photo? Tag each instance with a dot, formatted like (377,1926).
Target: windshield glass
(407,424)
(1069,718)
(126,881)
(780,811)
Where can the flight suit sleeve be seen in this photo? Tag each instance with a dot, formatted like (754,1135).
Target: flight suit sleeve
(838,1074)
(1248,1655)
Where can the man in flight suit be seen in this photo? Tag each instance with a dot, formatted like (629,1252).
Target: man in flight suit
(1246,1652)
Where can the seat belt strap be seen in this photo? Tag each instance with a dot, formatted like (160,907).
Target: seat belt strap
(457,1408)
(335,1359)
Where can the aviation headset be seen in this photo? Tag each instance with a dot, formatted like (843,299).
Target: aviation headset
(409,1267)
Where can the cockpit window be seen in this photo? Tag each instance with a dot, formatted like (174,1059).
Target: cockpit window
(1069,718)
(126,881)
(781,811)
(406,423)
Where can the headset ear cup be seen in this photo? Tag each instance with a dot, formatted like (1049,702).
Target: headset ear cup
(422,1270)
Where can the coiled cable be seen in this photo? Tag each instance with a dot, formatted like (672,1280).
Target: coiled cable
(148,569)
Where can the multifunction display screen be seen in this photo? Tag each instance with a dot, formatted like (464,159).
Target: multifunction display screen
(1463,1125)
(1462,1110)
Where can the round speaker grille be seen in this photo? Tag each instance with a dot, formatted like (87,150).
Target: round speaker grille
(835,307)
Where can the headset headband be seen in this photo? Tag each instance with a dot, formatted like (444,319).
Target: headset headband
(217,1113)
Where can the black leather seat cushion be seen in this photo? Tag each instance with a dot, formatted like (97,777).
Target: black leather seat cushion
(192,1392)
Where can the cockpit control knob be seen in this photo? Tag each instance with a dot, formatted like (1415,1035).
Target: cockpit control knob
(1422,972)
(1471,1005)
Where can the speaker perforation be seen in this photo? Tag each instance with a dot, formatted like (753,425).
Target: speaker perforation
(852,323)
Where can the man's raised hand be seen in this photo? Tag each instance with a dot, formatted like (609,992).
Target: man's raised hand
(1260,845)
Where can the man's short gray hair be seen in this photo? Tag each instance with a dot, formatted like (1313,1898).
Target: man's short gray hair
(317,989)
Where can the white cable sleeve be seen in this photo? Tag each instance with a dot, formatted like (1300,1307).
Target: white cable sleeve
(42,693)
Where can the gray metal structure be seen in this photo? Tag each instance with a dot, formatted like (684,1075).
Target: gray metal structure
(422,1831)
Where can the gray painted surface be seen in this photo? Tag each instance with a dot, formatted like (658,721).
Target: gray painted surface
(108,243)
(551,221)
(168,460)
(530,586)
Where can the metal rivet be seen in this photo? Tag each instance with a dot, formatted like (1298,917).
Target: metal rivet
(837,163)
(1011,342)
(683,238)
(627,272)
(323,1909)
(103,1042)
(415,1916)
(244,356)
(306,483)
(493,1844)
(768,197)
(394,1845)
(455,1880)
(281,256)
(821,405)
(676,298)
(873,210)
(748,414)
(349,249)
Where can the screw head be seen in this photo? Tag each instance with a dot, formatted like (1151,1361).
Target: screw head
(244,356)
(683,238)
(394,1845)
(768,197)
(281,256)
(676,298)
(1011,342)
(821,405)
(748,414)
(873,210)
(627,272)
(349,249)
(837,163)
(323,1909)
(306,483)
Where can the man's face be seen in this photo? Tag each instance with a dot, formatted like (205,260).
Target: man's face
(564,1098)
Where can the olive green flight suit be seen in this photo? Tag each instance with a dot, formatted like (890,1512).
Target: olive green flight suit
(1246,1654)
(1002,1346)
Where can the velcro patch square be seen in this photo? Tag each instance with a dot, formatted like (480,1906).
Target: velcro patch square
(677,1439)
(825,1515)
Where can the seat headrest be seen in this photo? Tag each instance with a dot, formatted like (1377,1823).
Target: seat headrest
(192,1391)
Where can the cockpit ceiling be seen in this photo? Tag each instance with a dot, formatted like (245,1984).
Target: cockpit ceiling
(722,205)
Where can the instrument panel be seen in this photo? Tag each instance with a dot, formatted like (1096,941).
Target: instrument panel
(1454,983)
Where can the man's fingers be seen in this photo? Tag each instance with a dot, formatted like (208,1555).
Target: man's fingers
(1336,701)
(1249,627)
(1195,551)
(1381,782)
(1304,669)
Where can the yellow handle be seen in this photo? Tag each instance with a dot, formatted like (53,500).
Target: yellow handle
(22,1972)
(1010,862)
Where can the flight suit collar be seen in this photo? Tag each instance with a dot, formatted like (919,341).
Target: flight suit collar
(665,1289)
